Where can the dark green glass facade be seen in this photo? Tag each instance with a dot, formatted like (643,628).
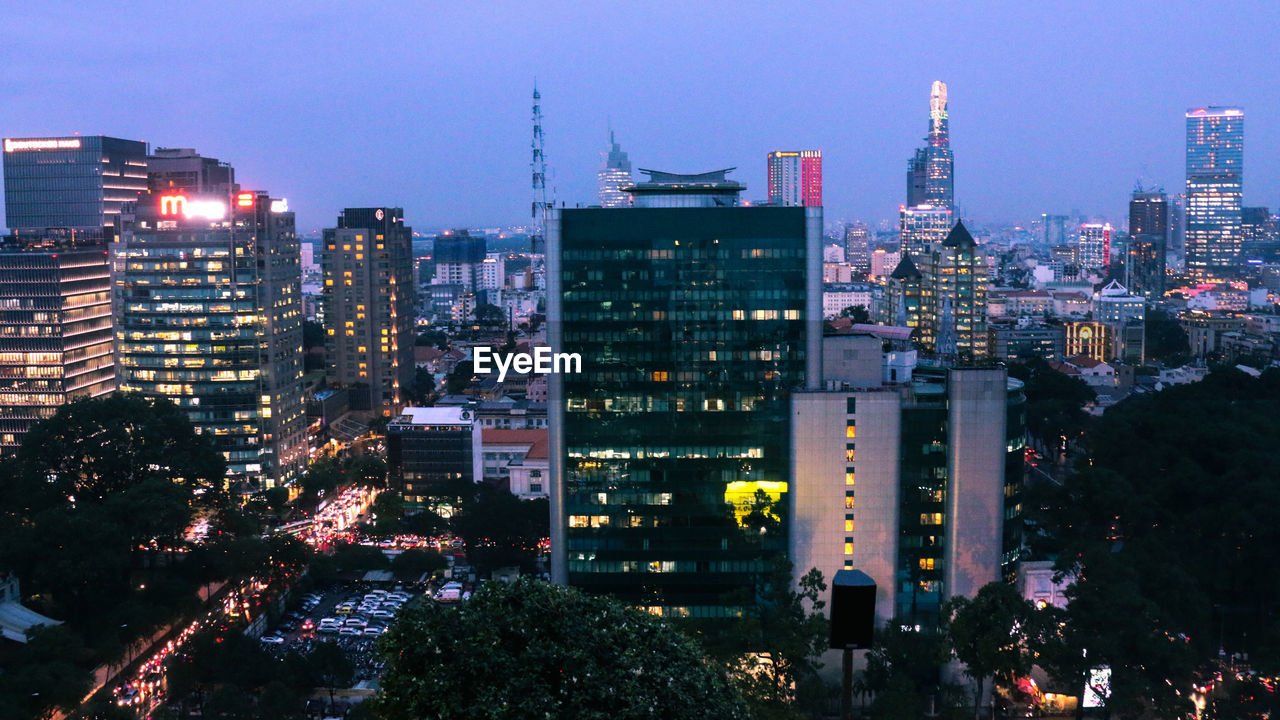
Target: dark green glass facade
(692,328)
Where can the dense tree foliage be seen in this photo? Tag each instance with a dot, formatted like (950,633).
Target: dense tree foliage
(1168,528)
(1056,419)
(1166,341)
(500,529)
(534,650)
(95,451)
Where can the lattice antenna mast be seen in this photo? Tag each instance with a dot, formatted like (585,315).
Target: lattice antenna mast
(540,205)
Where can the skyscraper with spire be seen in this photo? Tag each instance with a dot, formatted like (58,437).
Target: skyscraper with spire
(615,175)
(930,176)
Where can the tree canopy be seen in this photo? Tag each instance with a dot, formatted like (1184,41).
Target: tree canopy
(534,650)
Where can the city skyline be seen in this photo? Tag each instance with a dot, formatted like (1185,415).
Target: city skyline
(1026,147)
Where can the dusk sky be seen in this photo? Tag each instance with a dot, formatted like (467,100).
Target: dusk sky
(1055,107)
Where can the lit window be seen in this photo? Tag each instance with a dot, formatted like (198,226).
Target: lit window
(850,431)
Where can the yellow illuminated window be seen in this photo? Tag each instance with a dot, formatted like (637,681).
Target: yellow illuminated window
(848,548)
(848,526)
(926,563)
(849,477)
(848,503)
(850,454)
(930,518)
(850,431)
(659,376)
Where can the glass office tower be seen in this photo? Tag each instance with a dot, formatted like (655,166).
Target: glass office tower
(1215,191)
(694,319)
(74,183)
(55,333)
(209,307)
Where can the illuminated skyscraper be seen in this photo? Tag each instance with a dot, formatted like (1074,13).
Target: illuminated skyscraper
(953,307)
(55,332)
(795,178)
(922,225)
(209,301)
(694,318)
(615,175)
(1094,243)
(857,246)
(930,173)
(1215,191)
(76,183)
(369,306)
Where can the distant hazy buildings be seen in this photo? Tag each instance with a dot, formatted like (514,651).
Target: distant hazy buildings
(459,256)
(1215,191)
(209,315)
(614,176)
(795,178)
(370,306)
(694,317)
(857,246)
(1148,243)
(1094,246)
(76,184)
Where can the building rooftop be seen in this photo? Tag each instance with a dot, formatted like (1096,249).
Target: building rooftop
(453,415)
(959,237)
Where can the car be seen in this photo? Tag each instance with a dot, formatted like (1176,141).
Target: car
(128,697)
(349,631)
(308,625)
(382,614)
(373,631)
(355,622)
(272,640)
(344,609)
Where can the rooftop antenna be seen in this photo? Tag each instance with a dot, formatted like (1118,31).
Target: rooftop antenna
(540,205)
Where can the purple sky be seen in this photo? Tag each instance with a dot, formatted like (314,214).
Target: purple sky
(1055,106)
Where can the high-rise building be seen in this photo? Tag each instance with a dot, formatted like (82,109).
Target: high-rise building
(458,255)
(492,272)
(926,526)
(1148,243)
(795,178)
(857,246)
(923,225)
(694,318)
(183,170)
(55,332)
(614,176)
(903,293)
(930,173)
(77,184)
(1215,191)
(209,315)
(953,314)
(1055,229)
(1258,232)
(1094,243)
(370,306)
